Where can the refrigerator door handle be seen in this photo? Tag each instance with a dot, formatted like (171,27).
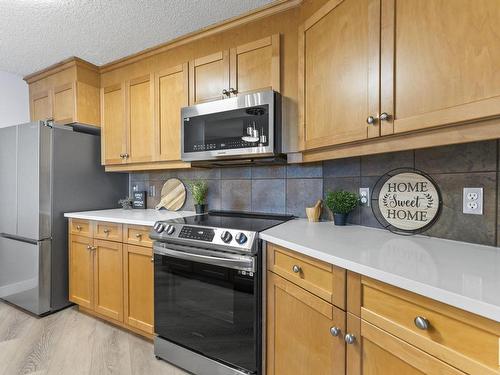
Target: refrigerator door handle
(19,238)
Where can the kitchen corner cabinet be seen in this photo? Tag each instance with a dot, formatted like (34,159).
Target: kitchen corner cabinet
(67,92)
(369,69)
(249,67)
(111,273)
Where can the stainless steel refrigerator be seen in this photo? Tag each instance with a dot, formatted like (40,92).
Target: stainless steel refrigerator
(46,171)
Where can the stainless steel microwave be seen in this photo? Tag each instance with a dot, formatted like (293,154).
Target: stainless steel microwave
(244,127)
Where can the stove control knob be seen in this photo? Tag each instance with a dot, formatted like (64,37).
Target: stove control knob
(170,229)
(159,227)
(226,236)
(241,238)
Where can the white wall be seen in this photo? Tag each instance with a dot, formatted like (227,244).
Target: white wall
(14,100)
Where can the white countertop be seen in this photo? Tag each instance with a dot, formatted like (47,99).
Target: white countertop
(134,217)
(460,274)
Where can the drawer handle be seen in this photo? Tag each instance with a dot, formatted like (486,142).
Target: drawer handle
(78,228)
(335,331)
(138,236)
(422,323)
(152,259)
(106,231)
(350,339)
(296,269)
(89,247)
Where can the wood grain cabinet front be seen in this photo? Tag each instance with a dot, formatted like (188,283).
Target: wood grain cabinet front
(81,271)
(67,92)
(108,231)
(304,332)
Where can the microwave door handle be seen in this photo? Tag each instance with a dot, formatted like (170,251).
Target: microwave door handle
(233,263)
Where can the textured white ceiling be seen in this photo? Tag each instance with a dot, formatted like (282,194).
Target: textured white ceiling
(37,33)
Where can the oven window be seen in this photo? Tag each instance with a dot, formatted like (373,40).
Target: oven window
(239,128)
(208,309)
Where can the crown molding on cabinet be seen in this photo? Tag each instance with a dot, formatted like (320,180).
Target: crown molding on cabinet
(60,66)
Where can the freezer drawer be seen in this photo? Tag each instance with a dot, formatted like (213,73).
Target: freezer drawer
(25,274)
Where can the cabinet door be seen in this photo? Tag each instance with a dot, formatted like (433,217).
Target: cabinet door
(108,279)
(64,103)
(256,65)
(113,141)
(299,340)
(41,106)
(339,73)
(171,95)
(138,287)
(376,352)
(140,95)
(80,271)
(440,62)
(208,77)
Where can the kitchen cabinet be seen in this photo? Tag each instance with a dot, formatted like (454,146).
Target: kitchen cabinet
(304,331)
(138,281)
(249,67)
(338,73)
(373,351)
(437,71)
(128,129)
(171,90)
(112,278)
(81,271)
(67,92)
(108,274)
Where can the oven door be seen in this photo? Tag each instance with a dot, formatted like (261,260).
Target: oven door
(209,304)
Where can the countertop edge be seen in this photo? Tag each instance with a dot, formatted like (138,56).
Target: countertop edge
(468,304)
(109,219)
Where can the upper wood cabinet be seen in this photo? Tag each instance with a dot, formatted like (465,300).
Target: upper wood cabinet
(171,90)
(300,325)
(249,67)
(440,62)
(113,135)
(67,92)
(338,72)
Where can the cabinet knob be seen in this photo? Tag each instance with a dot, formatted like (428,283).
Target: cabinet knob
(138,235)
(106,231)
(225,92)
(421,323)
(384,116)
(78,228)
(122,155)
(296,269)
(233,91)
(350,339)
(335,331)
(152,259)
(126,156)
(371,120)
(89,247)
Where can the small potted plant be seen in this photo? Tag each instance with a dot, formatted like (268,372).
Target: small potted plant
(199,190)
(341,203)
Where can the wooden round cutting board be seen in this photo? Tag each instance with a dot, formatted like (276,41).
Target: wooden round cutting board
(173,195)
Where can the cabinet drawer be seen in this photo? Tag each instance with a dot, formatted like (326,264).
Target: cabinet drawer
(80,227)
(108,231)
(137,235)
(464,340)
(322,279)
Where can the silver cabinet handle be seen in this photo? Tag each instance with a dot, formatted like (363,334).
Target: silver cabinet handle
(106,231)
(371,120)
(225,92)
(233,91)
(89,247)
(384,116)
(350,339)
(126,156)
(421,323)
(152,259)
(78,228)
(296,269)
(335,331)
(122,155)
(138,236)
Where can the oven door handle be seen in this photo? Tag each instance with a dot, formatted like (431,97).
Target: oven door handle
(240,263)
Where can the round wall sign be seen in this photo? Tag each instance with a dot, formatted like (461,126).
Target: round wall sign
(408,201)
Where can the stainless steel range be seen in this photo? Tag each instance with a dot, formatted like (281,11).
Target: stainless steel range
(208,291)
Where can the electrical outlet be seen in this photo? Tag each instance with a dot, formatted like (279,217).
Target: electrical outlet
(473,201)
(364,197)
(152,191)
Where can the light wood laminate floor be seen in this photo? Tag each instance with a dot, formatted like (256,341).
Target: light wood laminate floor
(72,343)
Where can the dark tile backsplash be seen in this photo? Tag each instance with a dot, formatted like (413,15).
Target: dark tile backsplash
(291,188)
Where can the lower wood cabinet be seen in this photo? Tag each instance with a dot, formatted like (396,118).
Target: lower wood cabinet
(110,278)
(304,331)
(138,281)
